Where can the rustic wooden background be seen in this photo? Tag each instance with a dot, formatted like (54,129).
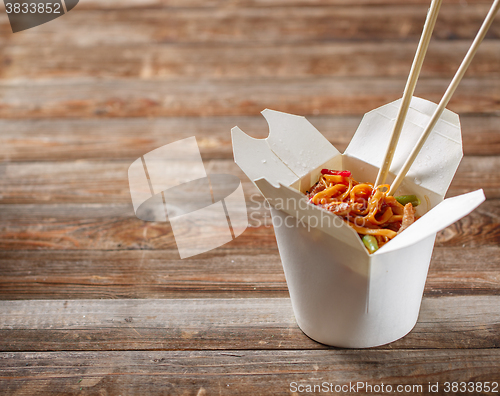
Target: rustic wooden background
(95,301)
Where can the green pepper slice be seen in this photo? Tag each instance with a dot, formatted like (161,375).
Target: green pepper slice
(370,242)
(405,199)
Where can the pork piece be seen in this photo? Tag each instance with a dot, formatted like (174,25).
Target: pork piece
(408,217)
(316,189)
(343,209)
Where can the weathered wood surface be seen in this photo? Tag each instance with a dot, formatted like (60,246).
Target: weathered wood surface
(238,372)
(107,181)
(223,273)
(222,61)
(102,227)
(259,323)
(200,97)
(114,226)
(95,301)
(117,4)
(255,24)
(118,138)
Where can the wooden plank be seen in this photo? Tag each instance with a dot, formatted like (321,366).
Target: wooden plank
(141,274)
(107,181)
(253,24)
(243,372)
(114,226)
(117,4)
(463,270)
(478,228)
(96,226)
(129,138)
(116,138)
(223,273)
(137,98)
(83,181)
(218,324)
(223,61)
(485,169)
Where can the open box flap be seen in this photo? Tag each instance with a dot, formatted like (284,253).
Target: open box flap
(436,164)
(257,160)
(438,218)
(293,148)
(297,142)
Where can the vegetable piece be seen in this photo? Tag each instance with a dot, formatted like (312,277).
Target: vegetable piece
(405,199)
(370,242)
(334,172)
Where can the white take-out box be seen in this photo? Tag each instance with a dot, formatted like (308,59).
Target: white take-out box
(340,294)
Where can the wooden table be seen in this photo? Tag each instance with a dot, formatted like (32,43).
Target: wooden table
(98,302)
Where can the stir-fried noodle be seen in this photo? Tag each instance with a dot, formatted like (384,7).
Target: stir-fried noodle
(369,210)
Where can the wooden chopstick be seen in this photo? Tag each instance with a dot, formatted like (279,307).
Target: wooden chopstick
(447,96)
(430,22)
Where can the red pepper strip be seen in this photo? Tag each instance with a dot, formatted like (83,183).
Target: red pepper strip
(332,172)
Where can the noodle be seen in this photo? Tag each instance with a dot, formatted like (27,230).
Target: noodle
(368,210)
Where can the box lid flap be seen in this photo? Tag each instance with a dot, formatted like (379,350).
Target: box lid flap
(436,164)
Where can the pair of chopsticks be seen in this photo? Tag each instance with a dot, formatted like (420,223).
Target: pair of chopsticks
(410,88)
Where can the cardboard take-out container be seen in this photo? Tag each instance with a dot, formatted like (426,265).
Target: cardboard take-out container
(341,295)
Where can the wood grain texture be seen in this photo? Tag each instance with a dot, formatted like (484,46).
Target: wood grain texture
(222,61)
(96,301)
(115,227)
(144,4)
(200,97)
(116,138)
(88,181)
(261,323)
(236,372)
(84,181)
(253,24)
(103,227)
(141,274)
(223,273)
